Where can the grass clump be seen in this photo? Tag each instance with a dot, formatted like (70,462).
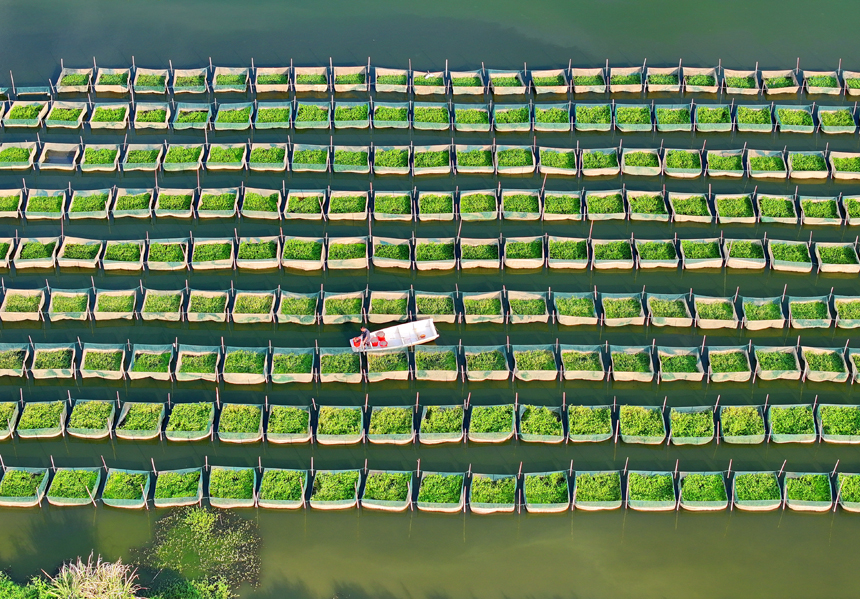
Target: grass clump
(792,420)
(486,360)
(775,360)
(491,419)
(288,420)
(741,421)
(190,417)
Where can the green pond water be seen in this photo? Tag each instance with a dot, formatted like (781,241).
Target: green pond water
(315,554)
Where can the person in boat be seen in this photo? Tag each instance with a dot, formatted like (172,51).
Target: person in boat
(365,337)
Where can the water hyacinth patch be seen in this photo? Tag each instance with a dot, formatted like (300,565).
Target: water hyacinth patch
(790,252)
(808,487)
(103,360)
(683,159)
(598,487)
(597,159)
(598,115)
(575,306)
(633,115)
(703,487)
(641,422)
(754,116)
(637,362)
(757,486)
(391,421)
(41,415)
(566,204)
(486,360)
(650,487)
(775,360)
(141,417)
(691,424)
(288,420)
(151,362)
(435,360)
(340,364)
(190,417)
(741,421)
(553,159)
(284,363)
(442,419)
(432,114)
(840,420)
(440,488)
(177,485)
(494,491)
(339,421)
(432,304)
(491,419)
(806,162)
(614,250)
(91,415)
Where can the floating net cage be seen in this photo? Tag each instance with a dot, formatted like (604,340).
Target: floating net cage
(607,500)
(651,505)
(348,263)
(379,215)
(190,499)
(629,88)
(485,316)
(303,123)
(335,196)
(479,507)
(334,504)
(350,72)
(702,505)
(190,81)
(289,503)
(699,301)
(7,315)
(834,371)
(841,304)
(538,437)
(741,82)
(198,351)
(510,260)
(753,438)
(169,265)
(587,432)
(532,362)
(139,368)
(644,439)
(274,79)
(466,215)
(788,127)
(847,505)
(151,432)
(99,432)
(792,374)
(632,127)
(808,202)
(524,307)
(663,309)
(131,503)
(163,315)
(683,173)
(234,473)
(435,304)
(808,174)
(352,123)
(125,265)
(664,87)
(832,433)
(806,321)
(796,437)
(642,171)
(451,507)
(43,106)
(701,86)
(380,169)
(60,194)
(150,165)
(95,193)
(500,124)
(823,112)
(382,261)
(193,313)
(595,124)
(181,122)
(142,108)
(606,299)
(764,502)
(852,267)
(750,304)
(215,263)
(332,375)
(150,81)
(251,314)
(192,435)
(9,194)
(38,492)
(386,371)
(485,169)
(666,356)
(66,123)
(610,263)
(387,309)
(61,372)
(273,115)
(500,80)
(246,374)
(306,79)
(513,195)
(391,438)
(302,263)
(438,438)
(109,125)
(724,219)
(82,474)
(443,169)
(300,436)
(394,80)
(786,265)
(588,80)
(573,315)
(801,505)
(171,212)
(494,436)
(73,74)
(676,198)
(717,353)
(297,314)
(248,211)
(678,438)
(399,504)
(765,174)
(746,263)
(545,168)
(206,213)
(582,362)
(523,169)
(567,261)
(772,89)
(339,318)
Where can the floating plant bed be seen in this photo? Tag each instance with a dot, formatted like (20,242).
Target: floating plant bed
(226,157)
(391,365)
(428,83)
(126,488)
(431,116)
(809,312)
(756,491)
(552,117)
(535,363)
(789,256)
(230,79)
(198,363)
(387,491)
(640,424)
(338,425)
(622,309)
(232,487)
(441,424)
(557,161)
(190,421)
(150,361)
(734,209)
(703,491)
(512,117)
(595,490)
(807,165)
(808,492)
(600,163)
(44,419)
(819,211)
(824,365)
(340,365)
(391,425)
(261,203)
(647,206)
(591,424)
(633,117)
(776,209)
(245,365)
(431,160)
(777,363)
(794,119)
(311,79)
(66,115)
(691,426)
(74,486)
(439,306)
(491,424)
(53,361)
(839,423)
(791,424)
(486,363)
(611,254)
(293,365)
(472,117)
(575,308)
(540,424)
(140,420)
(283,489)
(836,119)
(104,361)
(714,117)
(641,162)
(175,488)
(625,80)
(436,363)
(743,425)
(388,306)
(780,82)
(91,419)
(651,491)
(190,81)
(664,79)
(492,493)
(701,253)
(441,492)
(289,424)
(680,364)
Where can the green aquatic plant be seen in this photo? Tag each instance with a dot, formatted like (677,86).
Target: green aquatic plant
(431,114)
(735,207)
(210,252)
(486,360)
(642,159)
(234,115)
(475,158)
(757,486)
(770,310)
(431,159)
(142,416)
(274,115)
(91,415)
(746,249)
(580,361)
(807,162)
(849,165)
(190,417)
(587,420)
(778,82)
(391,251)
(292,363)
(598,487)
(340,363)
(754,116)
(245,361)
(312,112)
(629,79)
(472,116)
(202,363)
(46,203)
(167,252)
(350,158)
(741,421)
(613,250)
(69,115)
(200,304)
(725,162)
(392,204)
(9,155)
(256,202)
(58,359)
(36,250)
(435,360)
(814,310)
(604,204)
(539,420)
(520,114)
(90,203)
(490,306)
(151,362)
(495,491)
(550,158)
(690,206)
(123,252)
(836,118)
(387,486)
(335,486)
(561,204)
(626,307)
(69,483)
(69,304)
(351,204)
(311,79)
(824,361)
(790,252)
(552,114)
(390,421)
(441,488)
(703,487)
(713,115)
(535,359)
(640,421)
(691,424)
(229,483)
(342,306)
(141,157)
(42,414)
(582,307)
(791,420)
(532,307)
(820,208)
(635,362)
(393,158)
(808,487)
(155,115)
(650,487)
(388,306)
(477,202)
(182,155)
(657,250)
(600,114)
(23,303)
(524,250)
(247,303)
(683,159)
(359,112)
(115,303)
(442,419)
(633,115)
(700,250)
(392,362)
(121,484)
(261,250)
(835,420)
(347,251)
(700,80)
(25,112)
(491,419)
(288,420)
(103,360)
(433,304)
(794,117)
(521,202)
(673,116)
(20,483)
(776,360)
(597,159)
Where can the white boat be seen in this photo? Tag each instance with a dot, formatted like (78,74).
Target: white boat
(396,337)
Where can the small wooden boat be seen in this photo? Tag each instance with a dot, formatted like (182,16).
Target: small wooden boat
(397,337)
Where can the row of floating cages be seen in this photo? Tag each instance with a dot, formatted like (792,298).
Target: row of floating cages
(548,362)
(414,205)
(323,79)
(446,492)
(625,117)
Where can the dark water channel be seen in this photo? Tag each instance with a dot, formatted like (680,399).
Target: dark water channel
(365,554)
